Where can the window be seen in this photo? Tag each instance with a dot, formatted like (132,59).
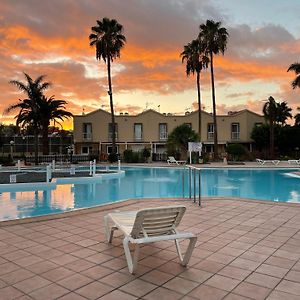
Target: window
(87,131)
(235,131)
(163,131)
(86,150)
(210,131)
(109,149)
(110,131)
(138,132)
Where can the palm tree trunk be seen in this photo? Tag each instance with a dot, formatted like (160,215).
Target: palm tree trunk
(45,138)
(199,105)
(113,125)
(216,156)
(271,139)
(36,146)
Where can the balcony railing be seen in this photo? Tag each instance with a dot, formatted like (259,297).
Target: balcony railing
(87,136)
(163,136)
(235,135)
(210,135)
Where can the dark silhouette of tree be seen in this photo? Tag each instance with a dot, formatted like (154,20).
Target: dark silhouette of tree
(108,39)
(296,68)
(195,59)
(29,114)
(214,37)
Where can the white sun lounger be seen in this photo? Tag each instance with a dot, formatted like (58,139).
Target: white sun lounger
(294,161)
(262,161)
(171,161)
(148,226)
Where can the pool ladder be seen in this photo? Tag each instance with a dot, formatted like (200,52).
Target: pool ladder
(194,179)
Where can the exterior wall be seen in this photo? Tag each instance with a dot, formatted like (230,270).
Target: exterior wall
(150,121)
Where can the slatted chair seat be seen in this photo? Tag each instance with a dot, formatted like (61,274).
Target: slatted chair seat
(148,226)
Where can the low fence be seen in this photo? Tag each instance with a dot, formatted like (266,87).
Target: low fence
(59,158)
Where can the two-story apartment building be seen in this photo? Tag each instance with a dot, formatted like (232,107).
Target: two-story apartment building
(93,131)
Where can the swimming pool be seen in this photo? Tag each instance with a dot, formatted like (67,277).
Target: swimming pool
(261,184)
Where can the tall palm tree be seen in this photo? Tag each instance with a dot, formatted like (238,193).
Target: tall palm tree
(214,37)
(297,117)
(51,109)
(108,39)
(296,68)
(270,111)
(196,61)
(29,108)
(283,112)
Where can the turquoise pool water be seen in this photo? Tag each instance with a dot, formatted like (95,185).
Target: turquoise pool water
(262,184)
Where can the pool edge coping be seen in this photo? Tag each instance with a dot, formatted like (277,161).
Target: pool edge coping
(127,202)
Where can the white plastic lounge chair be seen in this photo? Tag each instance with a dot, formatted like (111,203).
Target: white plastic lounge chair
(262,161)
(171,160)
(294,161)
(147,226)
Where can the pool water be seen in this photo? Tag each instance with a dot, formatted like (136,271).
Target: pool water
(261,184)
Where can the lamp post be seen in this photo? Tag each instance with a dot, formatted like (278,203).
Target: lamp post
(24,146)
(12,149)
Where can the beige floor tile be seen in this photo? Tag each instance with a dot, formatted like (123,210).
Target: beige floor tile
(97,272)
(162,294)
(205,292)
(31,284)
(234,272)
(222,282)
(94,290)
(251,291)
(263,280)
(181,285)
(138,287)
(74,282)
(277,295)
(57,274)
(118,295)
(272,270)
(157,277)
(52,291)
(117,279)
(16,276)
(289,287)
(9,293)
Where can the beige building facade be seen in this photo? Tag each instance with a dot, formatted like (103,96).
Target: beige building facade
(150,129)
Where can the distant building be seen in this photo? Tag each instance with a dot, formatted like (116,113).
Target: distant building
(150,129)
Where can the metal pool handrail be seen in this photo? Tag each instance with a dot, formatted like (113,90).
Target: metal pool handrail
(193,173)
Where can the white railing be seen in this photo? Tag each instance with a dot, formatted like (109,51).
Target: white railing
(235,135)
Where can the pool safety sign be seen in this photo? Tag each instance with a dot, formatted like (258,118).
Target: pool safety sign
(194,147)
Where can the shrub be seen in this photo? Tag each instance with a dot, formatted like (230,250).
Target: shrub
(146,154)
(128,156)
(236,151)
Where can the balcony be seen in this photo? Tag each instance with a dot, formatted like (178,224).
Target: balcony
(210,136)
(163,136)
(87,136)
(235,136)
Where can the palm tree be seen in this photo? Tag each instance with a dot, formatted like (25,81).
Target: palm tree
(51,109)
(270,111)
(283,113)
(297,117)
(195,60)
(296,68)
(29,108)
(214,37)
(108,39)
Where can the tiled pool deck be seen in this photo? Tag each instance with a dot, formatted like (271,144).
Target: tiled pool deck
(245,250)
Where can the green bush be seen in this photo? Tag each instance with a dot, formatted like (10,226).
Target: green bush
(236,151)
(128,155)
(146,154)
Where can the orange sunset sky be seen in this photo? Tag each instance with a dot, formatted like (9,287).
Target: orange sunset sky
(51,37)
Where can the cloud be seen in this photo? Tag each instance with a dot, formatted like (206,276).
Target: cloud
(51,37)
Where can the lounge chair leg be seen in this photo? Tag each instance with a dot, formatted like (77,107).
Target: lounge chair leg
(185,260)
(132,264)
(109,232)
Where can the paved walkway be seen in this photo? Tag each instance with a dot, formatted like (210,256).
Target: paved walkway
(245,250)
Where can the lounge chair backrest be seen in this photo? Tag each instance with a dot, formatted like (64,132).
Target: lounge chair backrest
(157,221)
(172,159)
